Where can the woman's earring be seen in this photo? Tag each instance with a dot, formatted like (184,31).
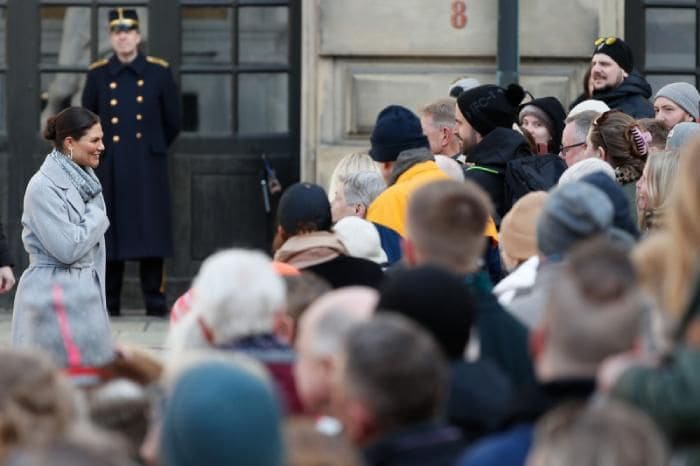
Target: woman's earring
(70,154)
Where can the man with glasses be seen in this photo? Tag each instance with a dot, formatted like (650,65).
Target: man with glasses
(573,139)
(616,82)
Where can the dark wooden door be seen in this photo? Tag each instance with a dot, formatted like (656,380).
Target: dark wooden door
(238,67)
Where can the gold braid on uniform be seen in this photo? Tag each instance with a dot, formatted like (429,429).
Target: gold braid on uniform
(98,63)
(157,61)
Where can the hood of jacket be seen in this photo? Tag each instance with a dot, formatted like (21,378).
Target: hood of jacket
(634,84)
(310,249)
(498,148)
(407,159)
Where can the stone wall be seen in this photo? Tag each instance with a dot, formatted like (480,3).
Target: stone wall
(360,56)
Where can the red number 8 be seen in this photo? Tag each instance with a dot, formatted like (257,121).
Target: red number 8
(459,17)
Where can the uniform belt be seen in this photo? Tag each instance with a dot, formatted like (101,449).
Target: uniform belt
(40,260)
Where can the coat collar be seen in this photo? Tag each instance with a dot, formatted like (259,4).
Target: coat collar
(115,66)
(53,172)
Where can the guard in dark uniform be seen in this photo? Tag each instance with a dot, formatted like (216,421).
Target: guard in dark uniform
(139,105)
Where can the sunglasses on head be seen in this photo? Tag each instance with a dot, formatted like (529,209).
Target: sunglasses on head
(607,40)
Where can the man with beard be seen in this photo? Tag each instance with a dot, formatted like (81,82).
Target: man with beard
(616,82)
(484,116)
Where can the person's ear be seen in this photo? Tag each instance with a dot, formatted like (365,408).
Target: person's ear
(538,340)
(600,152)
(408,250)
(360,210)
(446,136)
(360,423)
(283,327)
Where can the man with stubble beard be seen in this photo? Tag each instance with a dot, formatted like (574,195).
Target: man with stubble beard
(616,82)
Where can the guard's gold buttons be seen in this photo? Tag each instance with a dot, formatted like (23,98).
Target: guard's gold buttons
(139,135)
(115,120)
(139,98)
(113,102)
(139,83)
(139,116)
(115,138)
(113,85)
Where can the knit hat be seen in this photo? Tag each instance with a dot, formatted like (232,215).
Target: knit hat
(461,85)
(304,206)
(552,114)
(397,129)
(681,133)
(219,414)
(618,50)
(489,107)
(518,237)
(436,299)
(684,95)
(586,167)
(622,218)
(360,238)
(588,105)
(572,212)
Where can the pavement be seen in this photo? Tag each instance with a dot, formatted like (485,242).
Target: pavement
(131,328)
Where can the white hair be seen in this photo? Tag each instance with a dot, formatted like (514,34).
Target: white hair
(586,167)
(235,294)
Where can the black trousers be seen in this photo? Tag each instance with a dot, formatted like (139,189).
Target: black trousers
(152,276)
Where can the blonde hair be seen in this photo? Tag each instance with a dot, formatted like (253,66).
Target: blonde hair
(351,163)
(662,170)
(684,228)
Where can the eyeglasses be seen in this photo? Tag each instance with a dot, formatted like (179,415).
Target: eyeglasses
(564,149)
(606,40)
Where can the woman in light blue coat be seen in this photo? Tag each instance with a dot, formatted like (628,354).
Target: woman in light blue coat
(60,302)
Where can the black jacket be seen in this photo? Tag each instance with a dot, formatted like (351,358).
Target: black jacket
(486,163)
(631,96)
(4,249)
(349,271)
(422,445)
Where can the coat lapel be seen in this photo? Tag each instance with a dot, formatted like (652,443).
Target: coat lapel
(55,173)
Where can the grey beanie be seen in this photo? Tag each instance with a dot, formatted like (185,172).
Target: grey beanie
(681,133)
(572,212)
(684,95)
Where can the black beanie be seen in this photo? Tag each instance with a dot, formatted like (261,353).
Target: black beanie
(436,299)
(618,50)
(489,107)
(304,206)
(554,110)
(396,130)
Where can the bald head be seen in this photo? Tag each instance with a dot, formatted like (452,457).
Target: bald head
(322,332)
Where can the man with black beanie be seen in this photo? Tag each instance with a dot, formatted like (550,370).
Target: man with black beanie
(616,82)
(484,119)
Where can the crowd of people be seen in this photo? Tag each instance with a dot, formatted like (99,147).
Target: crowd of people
(497,281)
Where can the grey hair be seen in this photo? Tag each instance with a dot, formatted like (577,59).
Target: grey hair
(582,123)
(362,187)
(441,112)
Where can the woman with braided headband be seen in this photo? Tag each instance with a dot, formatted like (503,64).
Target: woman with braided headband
(616,138)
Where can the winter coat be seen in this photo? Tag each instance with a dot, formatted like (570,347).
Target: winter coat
(511,447)
(670,395)
(138,104)
(64,237)
(486,163)
(322,253)
(420,445)
(412,169)
(631,96)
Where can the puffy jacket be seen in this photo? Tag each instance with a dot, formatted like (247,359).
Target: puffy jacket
(631,96)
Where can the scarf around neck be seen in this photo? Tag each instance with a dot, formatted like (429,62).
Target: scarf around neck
(83,179)
(310,249)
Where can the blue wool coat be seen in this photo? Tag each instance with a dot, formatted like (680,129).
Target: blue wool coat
(64,237)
